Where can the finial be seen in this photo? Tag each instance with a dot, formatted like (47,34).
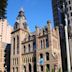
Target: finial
(21,9)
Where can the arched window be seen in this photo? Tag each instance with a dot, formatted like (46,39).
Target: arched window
(13,69)
(17,44)
(29,47)
(47,44)
(41,44)
(16,69)
(13,45)
(34,45)
(47,56)
(24,49)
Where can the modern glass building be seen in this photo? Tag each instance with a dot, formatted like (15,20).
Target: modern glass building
(58,16)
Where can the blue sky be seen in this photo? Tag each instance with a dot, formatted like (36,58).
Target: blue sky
(37,12)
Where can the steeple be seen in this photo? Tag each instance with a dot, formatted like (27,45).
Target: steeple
(21,21)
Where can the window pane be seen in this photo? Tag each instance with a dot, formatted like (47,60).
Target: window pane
(14,46)
(47,43)
(41,43)
(29,47)
(24,49)
(47,56)
(17,44)
(34,45)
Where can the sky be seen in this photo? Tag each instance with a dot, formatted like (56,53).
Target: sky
(37,12)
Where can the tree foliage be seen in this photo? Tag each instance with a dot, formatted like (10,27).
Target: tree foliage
(3,6)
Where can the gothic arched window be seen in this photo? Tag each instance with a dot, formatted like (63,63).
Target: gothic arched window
(17,44)
(13,45)
(29,47)
(24,49)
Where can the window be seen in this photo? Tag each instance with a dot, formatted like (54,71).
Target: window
(47,56)
(13,69)
(41,55)
(68,15)
(29,37)
(48,67)
(24,49)
(16,69)
(47,44)
(69,2)
(71,13)
(70,7)
(29,47)
(44,43)
(14,46)
(17,60)
(17,44)
(13,61)
(41,68)
(41,43)
(68,21)
(34,45)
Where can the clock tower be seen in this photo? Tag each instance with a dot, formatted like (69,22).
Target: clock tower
(19,33)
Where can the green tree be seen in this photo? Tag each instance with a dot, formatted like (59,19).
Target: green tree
(3,6)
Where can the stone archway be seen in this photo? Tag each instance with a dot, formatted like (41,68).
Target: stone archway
(30,68)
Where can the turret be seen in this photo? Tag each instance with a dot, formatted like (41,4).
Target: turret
(21,22)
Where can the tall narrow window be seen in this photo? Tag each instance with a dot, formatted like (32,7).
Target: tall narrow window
(71,13)
(41,68)
(69,2)
(13,69)
(47,56)
(14,46)
(17,60)
(41,55)
(41,43)
(44,43)
(29,47)
(17,44)
(16,69)
(13,61)
(41,59)
(34,45)
(24,49)
(48,67)
(47,43)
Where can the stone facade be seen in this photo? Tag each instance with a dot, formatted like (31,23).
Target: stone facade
(5,31)
(34,51)
(1,57)
(5,40)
